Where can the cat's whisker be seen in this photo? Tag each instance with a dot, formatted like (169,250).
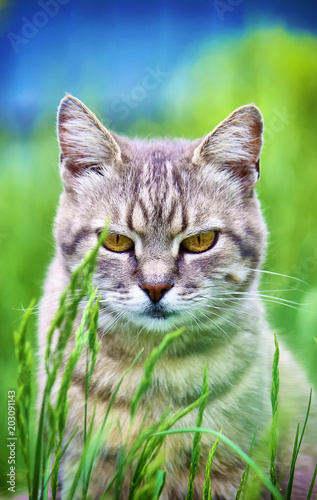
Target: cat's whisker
(274,301)
(110,326)
(206,299)
(209,319)
(49,305)
(261,295)
(218,326)
(23,310)
(237,309)
(144,328)
(277,274)
(193,317)
(279,290)
(245,309)
(209,309)
(112,323)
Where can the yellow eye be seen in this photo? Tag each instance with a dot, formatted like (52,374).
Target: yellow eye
(118,242)
(200,242)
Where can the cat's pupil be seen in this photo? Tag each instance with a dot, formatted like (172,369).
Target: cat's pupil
(198,238)
(118,238)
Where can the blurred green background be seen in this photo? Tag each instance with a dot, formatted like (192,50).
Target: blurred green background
(271,65)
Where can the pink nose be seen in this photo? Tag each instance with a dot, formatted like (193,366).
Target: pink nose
(156,291)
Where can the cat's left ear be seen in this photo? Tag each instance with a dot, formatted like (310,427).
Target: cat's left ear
(85,144)
(234,145)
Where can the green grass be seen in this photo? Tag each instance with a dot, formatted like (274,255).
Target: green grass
(143,455)
(273,68)
(274,402)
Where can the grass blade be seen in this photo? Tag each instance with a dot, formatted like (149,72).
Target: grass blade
(274,403)
(38,453)
(62,453)
(245,474)
(293,462)
(24,357)
(312,484)
(153,445)
(119,472)
(103,425)
(207,494)
(159,484)
(82,461)
(234,447)
(296,450)
(197,437)
(149,366)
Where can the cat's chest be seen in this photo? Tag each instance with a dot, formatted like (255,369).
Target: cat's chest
(235,376)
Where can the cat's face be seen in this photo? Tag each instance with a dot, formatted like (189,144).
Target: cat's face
(185,225)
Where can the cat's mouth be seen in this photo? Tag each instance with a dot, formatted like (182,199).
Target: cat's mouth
(158,312)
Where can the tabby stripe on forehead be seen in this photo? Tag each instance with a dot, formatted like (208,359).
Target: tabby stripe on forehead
(70,248)
(171,215)
(158,210)
(245,250)
(129,214)
(184,218)
(144,210)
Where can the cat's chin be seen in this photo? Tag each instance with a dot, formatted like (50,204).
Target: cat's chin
(159,313)
(157,321)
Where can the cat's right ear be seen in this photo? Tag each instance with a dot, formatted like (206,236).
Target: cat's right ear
(234,146)
(85,144)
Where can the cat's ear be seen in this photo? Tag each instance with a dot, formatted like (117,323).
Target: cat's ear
(84,142)
(235,145)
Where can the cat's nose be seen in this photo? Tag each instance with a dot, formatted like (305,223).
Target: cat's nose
(156,290)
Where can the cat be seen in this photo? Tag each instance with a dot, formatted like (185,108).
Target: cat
(186,242)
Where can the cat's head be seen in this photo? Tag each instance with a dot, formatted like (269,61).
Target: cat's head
(186,228)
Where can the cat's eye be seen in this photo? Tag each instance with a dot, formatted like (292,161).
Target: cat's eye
(118,242)
(200,242)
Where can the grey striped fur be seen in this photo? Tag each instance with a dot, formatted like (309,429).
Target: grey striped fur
(158,193)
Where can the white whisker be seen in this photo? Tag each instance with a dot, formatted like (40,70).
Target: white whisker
(221,317)
(277,274)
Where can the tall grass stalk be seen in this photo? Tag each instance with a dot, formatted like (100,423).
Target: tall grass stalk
(245,475)
(95,446)
(234,447)
(140,456)
(312,484)
(152,443)
(24,394)
(297,445)
(274,402)
(149,367)
(207,493)
(52,418)
(197,437)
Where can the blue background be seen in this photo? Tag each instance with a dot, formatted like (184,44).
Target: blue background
(207,62)
(102,49)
